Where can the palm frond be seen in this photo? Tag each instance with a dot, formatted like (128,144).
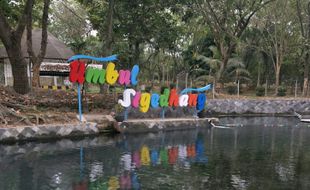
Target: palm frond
(216,52)
(213,63)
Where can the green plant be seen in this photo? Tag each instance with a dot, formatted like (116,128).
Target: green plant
(118,108)
(281,91)
(260,91)
(148,89)
(232,89)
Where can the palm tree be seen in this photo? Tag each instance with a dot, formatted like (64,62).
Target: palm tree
(236,69)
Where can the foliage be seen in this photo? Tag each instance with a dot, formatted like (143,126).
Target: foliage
(260,91)
(232,88)
(69,23)
(253,41)
(281,91)
(236,70)
(228,20)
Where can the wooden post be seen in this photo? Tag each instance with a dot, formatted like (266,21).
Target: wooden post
(186,77)
(55,81)
(5,74)
(238,88)
(266,87)
(30,73)
(213,89)
(296,89)
(191,83)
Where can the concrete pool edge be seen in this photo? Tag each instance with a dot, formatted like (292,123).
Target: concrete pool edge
(168,124)
(24,133)
(58,131)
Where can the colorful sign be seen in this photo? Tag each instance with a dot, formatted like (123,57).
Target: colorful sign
(189,97)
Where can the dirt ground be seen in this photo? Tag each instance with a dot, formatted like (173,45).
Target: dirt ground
(43,106)
(48,106)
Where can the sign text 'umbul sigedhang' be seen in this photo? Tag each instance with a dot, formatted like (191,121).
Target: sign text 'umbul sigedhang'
(169,97)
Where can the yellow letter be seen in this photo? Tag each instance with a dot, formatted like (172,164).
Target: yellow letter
(145,102)
(112,74)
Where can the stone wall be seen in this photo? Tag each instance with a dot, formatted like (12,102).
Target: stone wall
(47,131)
(229,106)
(155,125)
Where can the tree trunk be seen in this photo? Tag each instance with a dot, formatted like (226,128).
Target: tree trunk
(109,37)
(306,75)
(137,52)
(258,75)
(277,79)
(226,54)
(222,67)
(109,34)
(37,59)
(19,69)
(36,74)
(11,39)
(20,76)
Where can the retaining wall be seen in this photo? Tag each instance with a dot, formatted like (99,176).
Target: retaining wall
(268,107)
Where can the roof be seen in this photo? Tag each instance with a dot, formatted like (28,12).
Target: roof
(56,50)
(62,67)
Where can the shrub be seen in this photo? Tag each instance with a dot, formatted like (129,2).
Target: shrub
(281,91)
(172,85)
(232,89)
(148,89)
(260,91)
(162,88)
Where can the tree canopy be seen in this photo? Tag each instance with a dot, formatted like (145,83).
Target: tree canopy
(219,41)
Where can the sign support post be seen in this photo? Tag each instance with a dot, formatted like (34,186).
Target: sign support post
(80,102)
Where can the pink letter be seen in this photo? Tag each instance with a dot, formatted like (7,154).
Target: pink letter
(136,100)
(124,77)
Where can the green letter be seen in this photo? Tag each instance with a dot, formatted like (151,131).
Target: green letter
(163,101)
(94,75)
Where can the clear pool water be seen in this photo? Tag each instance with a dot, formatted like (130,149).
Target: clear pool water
(258,153)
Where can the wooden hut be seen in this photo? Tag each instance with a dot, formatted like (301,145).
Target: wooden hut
(54,69)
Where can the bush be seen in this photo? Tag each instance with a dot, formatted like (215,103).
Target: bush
(281,91)
(232,89)
(162,88)
(148,89)
(172,85)
(260,91)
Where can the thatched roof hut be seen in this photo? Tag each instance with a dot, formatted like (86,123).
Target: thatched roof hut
(54,63)
(56,50)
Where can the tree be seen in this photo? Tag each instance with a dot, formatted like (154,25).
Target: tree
(256,60)
(228,21)
(109,29)
(69,23)
(303,13)
(11,38)
(36,60)
(278,34)
(237,71)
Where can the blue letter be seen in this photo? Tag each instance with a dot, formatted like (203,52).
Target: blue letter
(201,100)
(134,74)
(155,100)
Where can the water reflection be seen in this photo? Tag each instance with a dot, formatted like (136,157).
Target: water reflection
(133,160)
(248,157)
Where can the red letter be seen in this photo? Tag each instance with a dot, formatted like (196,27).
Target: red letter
(77,71)
(192,100)
(174,98)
